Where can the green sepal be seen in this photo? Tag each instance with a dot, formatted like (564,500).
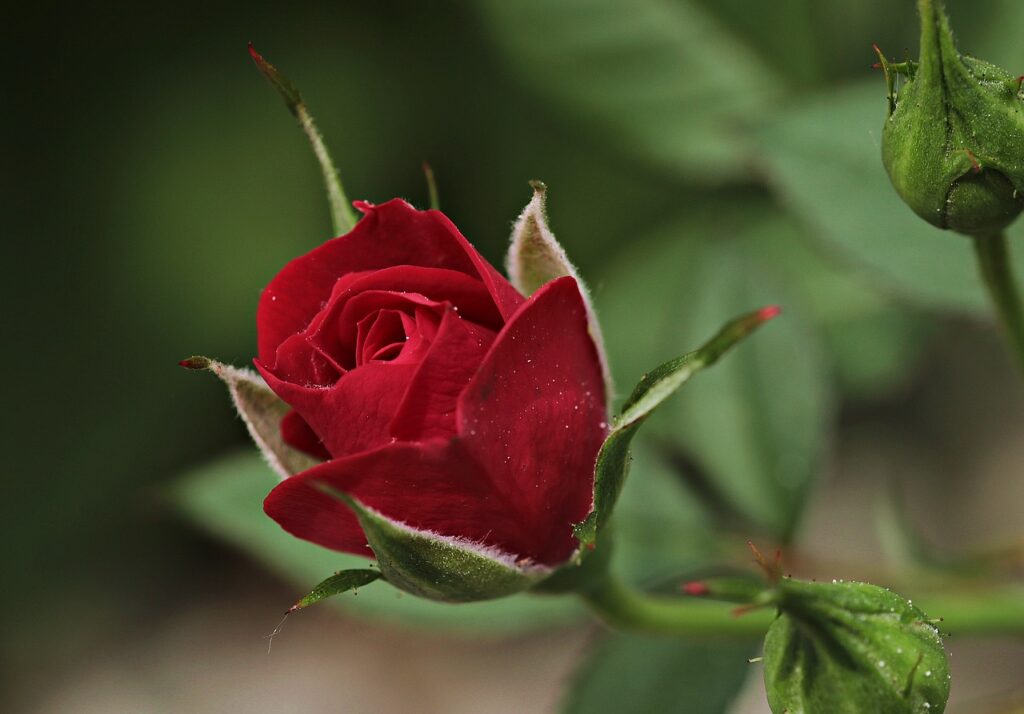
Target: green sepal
(343,218)
(654,388)
(849,648)
(337,584)
(437,567)
(535,258)
(953,143)
(261,410)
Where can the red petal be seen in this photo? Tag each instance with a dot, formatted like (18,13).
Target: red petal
(297,434)
(354,414)
(468,293)
(429,406)
(432,486)
(534,417)
(391,234)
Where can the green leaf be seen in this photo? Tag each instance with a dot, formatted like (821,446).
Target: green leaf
(536,258)
(874,343)
(342,216)
(850,648)
(337,584)
(652,675)
(261,410)
(823,157)
(225,498)
(653,389)
(755,425)
(658,79)
(438,567)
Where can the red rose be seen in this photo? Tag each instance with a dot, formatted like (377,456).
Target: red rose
(436,394)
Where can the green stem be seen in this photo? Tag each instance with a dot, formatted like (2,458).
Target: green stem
(997,272)
(625,608)
(996,611)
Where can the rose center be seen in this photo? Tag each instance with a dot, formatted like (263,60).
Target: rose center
(381,336)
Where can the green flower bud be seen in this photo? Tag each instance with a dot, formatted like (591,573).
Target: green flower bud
(953,143)
(849,648)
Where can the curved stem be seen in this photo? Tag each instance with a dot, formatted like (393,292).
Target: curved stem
(997,272)
(989,612)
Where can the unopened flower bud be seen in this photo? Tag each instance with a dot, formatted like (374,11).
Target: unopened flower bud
(953,143)
(852,648)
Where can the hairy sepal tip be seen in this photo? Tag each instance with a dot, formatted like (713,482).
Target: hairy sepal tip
(195,362)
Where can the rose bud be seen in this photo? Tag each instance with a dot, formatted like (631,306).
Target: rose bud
(953,143)
(457,421)
(852,648)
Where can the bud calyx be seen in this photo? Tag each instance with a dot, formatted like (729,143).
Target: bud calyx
(953,143)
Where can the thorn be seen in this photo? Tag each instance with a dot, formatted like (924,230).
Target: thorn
(696,589)
(773,570)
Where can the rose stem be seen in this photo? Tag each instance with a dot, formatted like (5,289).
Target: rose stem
(997,272)
(988,612)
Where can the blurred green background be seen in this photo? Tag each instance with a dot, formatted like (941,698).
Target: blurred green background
(704,157)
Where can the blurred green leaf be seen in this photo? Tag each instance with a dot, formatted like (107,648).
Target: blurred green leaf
(757,422)
(874,342)
(661,531)
(823,158)
(655,675)
(658,79)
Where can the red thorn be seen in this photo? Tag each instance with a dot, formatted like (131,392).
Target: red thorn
(767,313)
(696,588)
